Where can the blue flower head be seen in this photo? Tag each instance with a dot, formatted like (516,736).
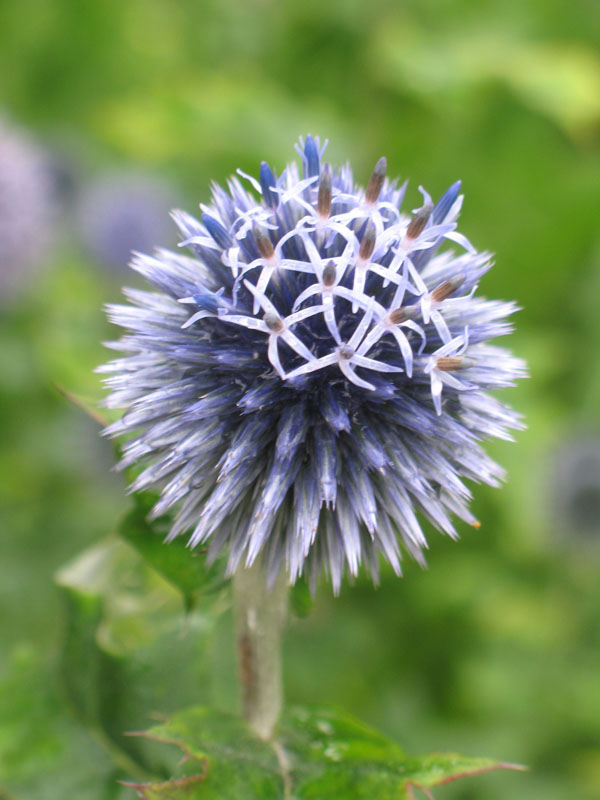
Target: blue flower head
(316,376)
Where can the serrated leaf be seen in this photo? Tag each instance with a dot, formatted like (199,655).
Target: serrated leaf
(185,569)
(318,754)
(223,759)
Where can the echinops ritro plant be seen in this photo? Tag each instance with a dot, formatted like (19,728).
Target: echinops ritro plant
(316,376)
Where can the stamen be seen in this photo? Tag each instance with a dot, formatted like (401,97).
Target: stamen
(398,315)
(265,247)
(324,199)
(367,244)
(345,352)
(376,182)
(273,322)
(445,289)
(418,222)
(450,363)
(329,275)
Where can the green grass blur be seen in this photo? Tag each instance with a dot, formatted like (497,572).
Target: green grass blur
(494,649)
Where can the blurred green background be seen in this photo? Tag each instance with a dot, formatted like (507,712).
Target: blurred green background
(495,648)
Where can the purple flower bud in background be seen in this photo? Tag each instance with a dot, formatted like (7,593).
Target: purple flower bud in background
(574,495)
(316,375)
(26,210)
(124,213)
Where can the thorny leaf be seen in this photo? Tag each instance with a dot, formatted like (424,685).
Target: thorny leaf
(317,754)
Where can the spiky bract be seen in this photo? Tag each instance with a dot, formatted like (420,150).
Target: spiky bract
(317,374)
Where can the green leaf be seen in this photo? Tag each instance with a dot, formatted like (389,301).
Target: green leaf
(317,754)
(223,759)
(185,569)
(301,600)
(44,752)
(125,634)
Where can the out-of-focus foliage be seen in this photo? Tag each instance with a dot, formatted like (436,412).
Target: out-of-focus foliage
(495,648)
(186,570)
(317,753)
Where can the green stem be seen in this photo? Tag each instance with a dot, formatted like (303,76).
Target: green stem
(260,612)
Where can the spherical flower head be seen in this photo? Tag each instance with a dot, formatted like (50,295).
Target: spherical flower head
(26,209)
(315,378)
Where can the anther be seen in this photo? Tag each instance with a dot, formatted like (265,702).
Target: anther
(397,316)
(418,222)
(329,275)
(324,199)
(265,247)
(376,182)
(403,313)
(346,352)
(367,244)
(445,289)
(451,363)
(273,322)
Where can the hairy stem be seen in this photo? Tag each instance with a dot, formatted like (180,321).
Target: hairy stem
(259,613)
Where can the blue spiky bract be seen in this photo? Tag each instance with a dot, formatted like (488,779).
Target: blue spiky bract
(315,378)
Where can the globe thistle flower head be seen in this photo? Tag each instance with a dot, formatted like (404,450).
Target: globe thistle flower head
(26,209)
(316,376)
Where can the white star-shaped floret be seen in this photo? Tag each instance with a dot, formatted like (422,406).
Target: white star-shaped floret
(231,259)
(346,356)
(295,192)
(444,360)
(269,262)
(318,207)
(368,206)
(391,321)
(431,302)
(420,234)
(253,216)
(276,326)
(366,251)
(328,276)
